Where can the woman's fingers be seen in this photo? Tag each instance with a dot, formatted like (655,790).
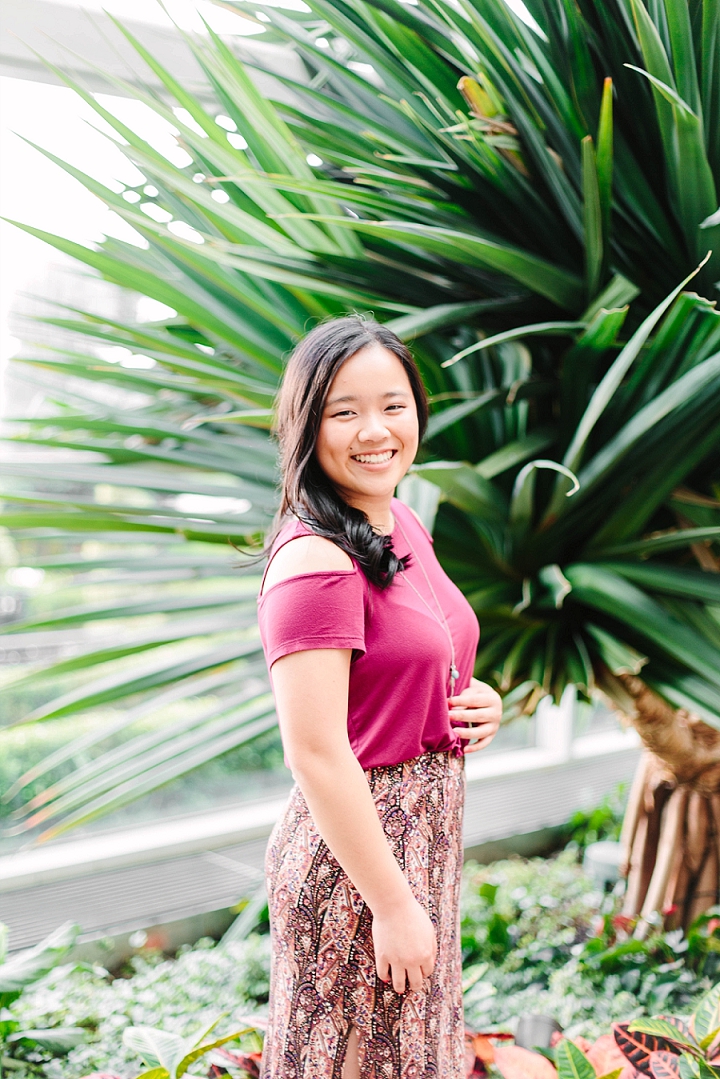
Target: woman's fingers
(413,978)
(475,746)
(478,730)
(474,715)
(403,977)
(477,695)
(416,979)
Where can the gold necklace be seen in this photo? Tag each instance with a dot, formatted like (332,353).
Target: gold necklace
(442,621)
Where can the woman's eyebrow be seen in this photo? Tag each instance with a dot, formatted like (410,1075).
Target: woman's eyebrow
(353,397)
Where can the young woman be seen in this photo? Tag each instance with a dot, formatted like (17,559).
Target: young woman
(371,649)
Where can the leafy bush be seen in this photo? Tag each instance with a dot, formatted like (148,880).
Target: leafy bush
(23,1045)
(603,821)
(169,1055)
(536,938)
(179,995)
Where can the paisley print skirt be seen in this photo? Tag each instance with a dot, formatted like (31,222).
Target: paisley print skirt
(323,978)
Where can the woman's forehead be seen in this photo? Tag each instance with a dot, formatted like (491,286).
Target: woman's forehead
(373,369)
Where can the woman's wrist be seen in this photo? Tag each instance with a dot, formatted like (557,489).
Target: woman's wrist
(393,901)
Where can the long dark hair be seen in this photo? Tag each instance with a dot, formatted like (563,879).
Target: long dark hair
(307,493)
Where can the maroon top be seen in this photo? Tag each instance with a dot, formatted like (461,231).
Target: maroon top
(399,674)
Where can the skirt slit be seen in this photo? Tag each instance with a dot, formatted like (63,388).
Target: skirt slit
(323,977)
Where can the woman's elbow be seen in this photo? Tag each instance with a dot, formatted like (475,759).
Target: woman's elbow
(312,761)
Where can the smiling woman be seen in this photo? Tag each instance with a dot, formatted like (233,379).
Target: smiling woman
(365,637)
(352,388)
(368,438)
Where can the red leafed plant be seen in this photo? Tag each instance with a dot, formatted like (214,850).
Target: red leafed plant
(638,1046)
(663,1047)
(248,1062)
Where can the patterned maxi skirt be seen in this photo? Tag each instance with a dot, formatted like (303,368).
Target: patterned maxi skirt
(323,977)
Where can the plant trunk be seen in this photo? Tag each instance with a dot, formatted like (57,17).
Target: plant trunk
(671,831)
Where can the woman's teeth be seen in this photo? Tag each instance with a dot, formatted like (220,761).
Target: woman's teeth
(373,458)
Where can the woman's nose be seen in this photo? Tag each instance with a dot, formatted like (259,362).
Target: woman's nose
(373,429)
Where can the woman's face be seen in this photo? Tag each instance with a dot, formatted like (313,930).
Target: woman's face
(368,434)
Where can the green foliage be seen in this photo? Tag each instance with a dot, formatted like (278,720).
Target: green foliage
(24,1042)
(551,917)
(169,1055)
(603,821)
(663,1047)
(571,1062)
(73,742)
(178,996)
(501,194)
(563,951)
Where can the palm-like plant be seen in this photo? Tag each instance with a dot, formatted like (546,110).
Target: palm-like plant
(500,193)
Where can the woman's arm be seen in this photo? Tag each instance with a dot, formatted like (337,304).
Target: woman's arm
(311,692)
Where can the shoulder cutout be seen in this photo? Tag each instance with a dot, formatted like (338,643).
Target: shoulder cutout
(305,554)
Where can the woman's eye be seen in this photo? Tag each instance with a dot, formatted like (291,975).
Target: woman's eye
(346,412)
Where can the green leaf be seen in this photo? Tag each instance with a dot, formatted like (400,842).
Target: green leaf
(683,53)
(670,580)
(560,328)
(196,1054)
(156,1047)
(609,386)
(143,281)
(56,1039)
(617,294)
(571,1062)
(513,453)
(463,487)
(700,380)
(604,166)
(118,685)
(27,967)
(706,1018)
(592,219)
(440,421)
(696,195)
(671,540)
(408,327)
(605,591)
(661,1028)
(522,504)
(253,417)
(544,278)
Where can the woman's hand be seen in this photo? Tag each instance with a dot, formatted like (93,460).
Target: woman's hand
(405,945)
(475,714)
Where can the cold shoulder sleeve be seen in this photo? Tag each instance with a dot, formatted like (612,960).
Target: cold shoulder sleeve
(314,610)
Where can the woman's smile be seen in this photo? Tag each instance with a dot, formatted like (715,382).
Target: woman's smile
(376,460)
(368,435)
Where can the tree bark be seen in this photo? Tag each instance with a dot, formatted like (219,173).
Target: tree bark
(671,831)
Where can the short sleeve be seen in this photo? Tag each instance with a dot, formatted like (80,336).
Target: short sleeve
(314,610)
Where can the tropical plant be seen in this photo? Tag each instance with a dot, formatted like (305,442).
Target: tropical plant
(19,972)
(663,1047)
(556,960)
(171,1056)
(498,188)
